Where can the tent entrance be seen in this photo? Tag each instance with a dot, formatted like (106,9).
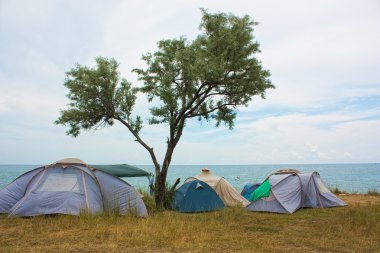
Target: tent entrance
(262,191)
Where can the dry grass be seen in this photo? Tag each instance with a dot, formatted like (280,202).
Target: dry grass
(355,228)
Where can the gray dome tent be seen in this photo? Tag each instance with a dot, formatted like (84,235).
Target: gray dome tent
(69,186)
(286,192)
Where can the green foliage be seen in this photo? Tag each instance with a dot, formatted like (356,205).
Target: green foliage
(373,192)
(168,196)
(337,191)
(97,96)
(207,78)
(148,200)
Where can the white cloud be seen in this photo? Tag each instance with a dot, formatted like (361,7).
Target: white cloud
(314,152)
(320,53)
(3,105)
(303,138)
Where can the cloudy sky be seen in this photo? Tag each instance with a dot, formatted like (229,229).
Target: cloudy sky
(324,57)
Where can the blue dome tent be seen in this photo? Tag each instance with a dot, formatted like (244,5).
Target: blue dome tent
(196,196)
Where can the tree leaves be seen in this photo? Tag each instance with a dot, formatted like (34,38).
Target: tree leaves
(208,77)
(97,98)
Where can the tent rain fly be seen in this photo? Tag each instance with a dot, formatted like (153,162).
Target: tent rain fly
(123,170)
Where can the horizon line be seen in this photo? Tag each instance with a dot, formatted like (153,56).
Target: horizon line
(205,164)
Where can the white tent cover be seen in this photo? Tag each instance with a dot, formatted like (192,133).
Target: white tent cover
(229,195)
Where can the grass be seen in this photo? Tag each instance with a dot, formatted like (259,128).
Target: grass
(355,228)
(337,191)
(373,192)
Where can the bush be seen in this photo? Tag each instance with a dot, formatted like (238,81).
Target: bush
(169,195)
(338,191)
(148,199)
(373,192)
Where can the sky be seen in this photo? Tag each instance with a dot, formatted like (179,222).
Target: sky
(324,59)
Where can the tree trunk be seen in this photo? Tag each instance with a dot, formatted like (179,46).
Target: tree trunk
(160,188)
(160,184)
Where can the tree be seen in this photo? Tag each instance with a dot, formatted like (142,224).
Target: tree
(207,79)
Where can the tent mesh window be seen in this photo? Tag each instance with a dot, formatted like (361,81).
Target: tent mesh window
(59,182)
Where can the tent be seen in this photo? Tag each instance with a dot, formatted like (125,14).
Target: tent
(222,187)
(287,192)
(196,196)
(69,186)
(315,192)
(248,189)
(123,170)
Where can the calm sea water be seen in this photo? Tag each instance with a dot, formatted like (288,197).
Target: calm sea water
(349,177)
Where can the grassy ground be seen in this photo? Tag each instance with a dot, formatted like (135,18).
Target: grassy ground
(355,228)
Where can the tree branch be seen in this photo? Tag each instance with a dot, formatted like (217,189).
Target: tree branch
(211,110)
(205,94)
(175,184)
(188,106)
(136,135)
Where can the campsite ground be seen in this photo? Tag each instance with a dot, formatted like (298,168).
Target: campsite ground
(355,228)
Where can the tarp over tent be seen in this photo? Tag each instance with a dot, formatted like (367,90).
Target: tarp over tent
(248,189)
(196,196)
(123,170)
(229,195)
(291,191)
(69,186)
(262,191)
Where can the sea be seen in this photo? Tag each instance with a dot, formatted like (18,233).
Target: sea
(352,178)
